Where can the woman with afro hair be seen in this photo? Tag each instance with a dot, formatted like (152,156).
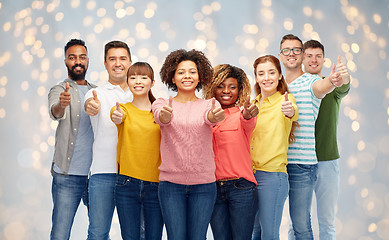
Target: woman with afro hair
(187,188)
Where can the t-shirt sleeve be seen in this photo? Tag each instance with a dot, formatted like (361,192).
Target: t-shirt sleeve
(312,79)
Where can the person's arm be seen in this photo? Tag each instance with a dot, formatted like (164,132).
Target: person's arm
(336,79)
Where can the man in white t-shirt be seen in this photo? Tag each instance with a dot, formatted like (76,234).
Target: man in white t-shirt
(98,104)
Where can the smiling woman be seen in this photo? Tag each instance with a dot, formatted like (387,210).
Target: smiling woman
(187,172)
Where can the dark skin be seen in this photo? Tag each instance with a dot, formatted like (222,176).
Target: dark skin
(75,55)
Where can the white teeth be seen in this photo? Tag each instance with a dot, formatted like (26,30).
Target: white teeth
(226,97)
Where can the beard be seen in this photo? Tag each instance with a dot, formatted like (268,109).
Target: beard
(75,76)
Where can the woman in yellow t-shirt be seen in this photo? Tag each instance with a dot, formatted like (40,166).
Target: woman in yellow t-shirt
(138,158)
(269,144)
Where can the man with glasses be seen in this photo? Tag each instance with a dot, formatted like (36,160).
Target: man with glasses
(308,90)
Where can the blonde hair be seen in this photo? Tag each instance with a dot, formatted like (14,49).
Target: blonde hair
(222,72)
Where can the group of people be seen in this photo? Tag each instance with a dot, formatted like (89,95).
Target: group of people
(186,162)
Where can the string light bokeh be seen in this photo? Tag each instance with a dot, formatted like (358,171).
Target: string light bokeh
(33,34)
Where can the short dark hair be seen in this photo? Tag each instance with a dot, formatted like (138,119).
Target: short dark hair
(170,65)
(290,37)
(73,42)
(116,44)
(313,44)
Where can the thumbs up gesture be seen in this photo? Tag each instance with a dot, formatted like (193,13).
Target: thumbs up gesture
(335,78)
(215,114)
(64,97)
(286,106)
(117,114)
(250,110)
(92,105)
(343,71)
(166,114)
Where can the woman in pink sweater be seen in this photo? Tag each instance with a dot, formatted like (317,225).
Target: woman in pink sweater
(187,189)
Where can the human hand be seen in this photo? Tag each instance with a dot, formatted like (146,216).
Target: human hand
(166,114)
(287,107)
(117,114)
(92,105)
(215,114)
(335,78)
(65,97)
(343,71)
(250,109)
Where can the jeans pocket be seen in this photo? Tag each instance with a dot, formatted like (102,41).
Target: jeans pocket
(244,184)
(307,167)
(122,180)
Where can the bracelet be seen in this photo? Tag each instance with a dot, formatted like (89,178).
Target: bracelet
(331,82)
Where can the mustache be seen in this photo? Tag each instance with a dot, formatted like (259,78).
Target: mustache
(78,65)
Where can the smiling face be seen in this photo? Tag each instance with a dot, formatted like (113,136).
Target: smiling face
(313,60)
(76,61)
(140,85)
(227,92)
(291,61)
(117,63)
(267,76)
(186,76)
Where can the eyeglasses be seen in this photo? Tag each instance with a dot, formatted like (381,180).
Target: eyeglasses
(287,51)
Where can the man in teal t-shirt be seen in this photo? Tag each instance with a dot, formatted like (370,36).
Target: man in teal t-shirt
(327,183)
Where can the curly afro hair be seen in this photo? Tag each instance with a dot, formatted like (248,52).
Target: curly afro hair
(169,67)
(222,72)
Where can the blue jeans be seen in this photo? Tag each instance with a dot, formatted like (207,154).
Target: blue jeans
(302,179)
(132,196)
(186,209)
(101,205)
(272,193)
(326,191)
(67,192)
(234,212)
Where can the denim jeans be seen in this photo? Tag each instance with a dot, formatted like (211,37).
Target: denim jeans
(101,205)
(302,179)
(67,192)
(326,191)
(272,193)
(234,211)
(132,196)
(186,209)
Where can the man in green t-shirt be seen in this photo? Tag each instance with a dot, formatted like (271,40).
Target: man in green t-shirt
(327,183)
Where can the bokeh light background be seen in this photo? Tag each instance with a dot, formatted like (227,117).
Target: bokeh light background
(33,34)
